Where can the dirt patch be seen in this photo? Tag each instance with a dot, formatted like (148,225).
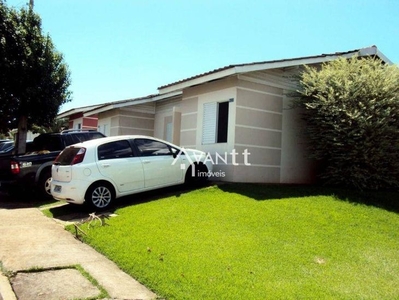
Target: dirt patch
(53,285)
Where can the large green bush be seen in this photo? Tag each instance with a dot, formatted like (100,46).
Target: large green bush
(351,109)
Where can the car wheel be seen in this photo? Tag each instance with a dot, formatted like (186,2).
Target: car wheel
(197,177)
(45,184)
(100,196)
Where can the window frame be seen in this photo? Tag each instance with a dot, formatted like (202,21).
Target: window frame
(215,122)
(114,155)
(148,153)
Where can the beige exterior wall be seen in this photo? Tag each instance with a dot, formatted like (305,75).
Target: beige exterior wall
(258,129)
(260,123)
(192,110)
(264,134)
(105,121)
(295,166)
(188,122)
(137,119)
(176,125)
(167,120)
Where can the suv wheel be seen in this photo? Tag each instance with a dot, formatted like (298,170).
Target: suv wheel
(45,184)
(100,196)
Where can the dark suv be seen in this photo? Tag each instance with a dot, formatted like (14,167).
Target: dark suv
(33,169)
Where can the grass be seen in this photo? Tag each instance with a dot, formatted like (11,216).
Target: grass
(228,242)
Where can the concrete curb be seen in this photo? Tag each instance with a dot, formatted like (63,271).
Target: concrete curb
(6,292)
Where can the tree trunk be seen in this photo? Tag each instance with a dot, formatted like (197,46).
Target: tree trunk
(21,135)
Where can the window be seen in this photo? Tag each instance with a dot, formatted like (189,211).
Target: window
(152,148)
(215,122)
(223,120)
(117,149)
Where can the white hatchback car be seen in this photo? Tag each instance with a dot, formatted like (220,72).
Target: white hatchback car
(96,172)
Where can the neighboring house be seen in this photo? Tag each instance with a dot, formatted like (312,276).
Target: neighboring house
(78,121)
(240,114)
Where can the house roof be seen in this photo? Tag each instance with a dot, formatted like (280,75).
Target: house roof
(76,110)
(265,65)
(127,102)
(174,89)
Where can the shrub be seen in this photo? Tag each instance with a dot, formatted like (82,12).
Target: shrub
(351,110)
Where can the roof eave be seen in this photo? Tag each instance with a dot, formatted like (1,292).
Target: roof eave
(239,69)
(278,64)
(136,101)
(373,51)
(76,110)
(179,86)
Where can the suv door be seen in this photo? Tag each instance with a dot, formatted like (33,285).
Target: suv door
(116,161)
(159,164)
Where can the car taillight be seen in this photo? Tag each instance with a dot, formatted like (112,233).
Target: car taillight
(15,167)
(79,156)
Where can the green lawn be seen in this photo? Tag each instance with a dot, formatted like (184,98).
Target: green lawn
(258,242)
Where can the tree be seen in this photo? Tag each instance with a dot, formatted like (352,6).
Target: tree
(351,110)
(34,79)
(57,126)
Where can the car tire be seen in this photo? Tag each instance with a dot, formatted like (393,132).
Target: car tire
(100,196)
(44,184)
(195,179)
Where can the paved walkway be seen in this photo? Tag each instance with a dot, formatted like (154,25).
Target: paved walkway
(29,241)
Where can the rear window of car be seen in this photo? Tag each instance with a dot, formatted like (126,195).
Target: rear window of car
(66,156)
(95,135)
(48,142)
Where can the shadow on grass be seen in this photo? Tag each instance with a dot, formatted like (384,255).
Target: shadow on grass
(69,212)
(388,200)
(153,195)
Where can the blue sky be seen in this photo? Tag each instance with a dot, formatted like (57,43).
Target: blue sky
(121,49)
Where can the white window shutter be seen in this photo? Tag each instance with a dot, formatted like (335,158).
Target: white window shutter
(209,123)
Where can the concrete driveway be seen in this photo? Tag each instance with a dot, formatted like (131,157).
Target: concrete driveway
(38,256)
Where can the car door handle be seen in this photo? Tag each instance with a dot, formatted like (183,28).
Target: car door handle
(105,165)
(146,161)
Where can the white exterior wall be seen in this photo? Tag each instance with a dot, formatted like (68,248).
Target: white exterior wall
(76,123)
(104,126)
